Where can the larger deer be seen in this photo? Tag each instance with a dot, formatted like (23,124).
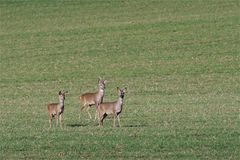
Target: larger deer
(89,99)
(114,108)
(55,110)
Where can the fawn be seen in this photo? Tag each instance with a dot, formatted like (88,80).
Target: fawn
(114,108)
(55,110)
(89,99)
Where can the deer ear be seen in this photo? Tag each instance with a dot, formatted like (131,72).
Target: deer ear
(60,92)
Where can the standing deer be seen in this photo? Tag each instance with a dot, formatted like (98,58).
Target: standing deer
(89,99)
(114,108)
(55,110)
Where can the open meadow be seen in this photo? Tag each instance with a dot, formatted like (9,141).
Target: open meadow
(179,59)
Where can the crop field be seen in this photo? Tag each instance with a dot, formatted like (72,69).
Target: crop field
(179,59)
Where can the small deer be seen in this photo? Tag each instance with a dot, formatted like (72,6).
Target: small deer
(55,110)
(114,108)
(89,99)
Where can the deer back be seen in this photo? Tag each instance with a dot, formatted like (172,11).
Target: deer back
(88,98)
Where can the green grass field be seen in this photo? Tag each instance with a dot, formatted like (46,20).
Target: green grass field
(179,59)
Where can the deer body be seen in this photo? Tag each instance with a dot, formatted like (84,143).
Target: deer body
(55,110)
(114,108)
(89,99)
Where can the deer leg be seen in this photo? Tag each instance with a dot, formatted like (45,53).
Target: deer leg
(50,120)
(118,118)
(99,118)
(102,118)
(114,119)
(60,119)
(89,112)
(82,108)
(80,112)
(96,115)
(100,122)
(56,119)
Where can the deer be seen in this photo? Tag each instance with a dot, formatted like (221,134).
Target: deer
(114,108)
(55,110)
(89,99)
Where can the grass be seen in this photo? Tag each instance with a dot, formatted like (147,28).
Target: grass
(179,60)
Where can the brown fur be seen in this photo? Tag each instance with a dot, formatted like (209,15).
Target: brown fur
(55,110)
(114,108)
(89,99)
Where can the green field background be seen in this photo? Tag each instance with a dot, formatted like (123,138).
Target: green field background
(179,59)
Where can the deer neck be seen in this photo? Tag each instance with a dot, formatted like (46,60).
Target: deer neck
(100,92)
(61,103)
(119,105)
(120,101)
